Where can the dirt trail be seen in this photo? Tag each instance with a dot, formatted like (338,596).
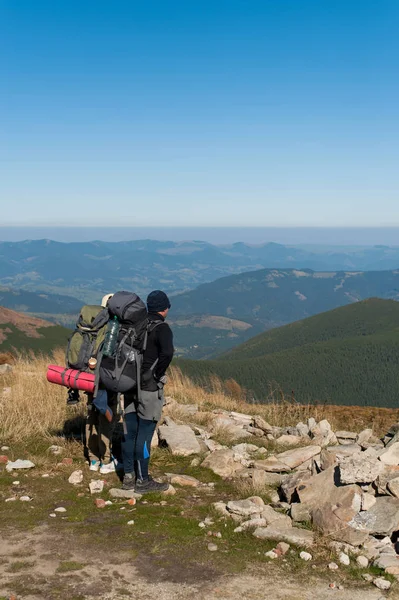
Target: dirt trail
(40,566)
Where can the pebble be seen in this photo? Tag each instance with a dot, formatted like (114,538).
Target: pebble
(4,448)
(212,547)
(19,464)
(12,499)
(55,450)
(202,525)
(123,507)
(382,584)
(45,475)
(96,486)
(67,461)
(333,566)
(283,547)
(108,503)
(344,559)
(52,515)
(332,586)
(15,482)
(25,499)
(130,522)
(271,554)
(60,509)
(305,556)
(132,501)
(3,459)
(100,503)
(76,477)
(362,562)
(367,577)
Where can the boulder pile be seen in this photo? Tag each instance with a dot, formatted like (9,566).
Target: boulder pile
(341,484)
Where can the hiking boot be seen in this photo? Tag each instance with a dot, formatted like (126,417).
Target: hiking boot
(107,468)
(129,482)
(94,465)
(146,486)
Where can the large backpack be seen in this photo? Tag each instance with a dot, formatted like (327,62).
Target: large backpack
(87,339)
(122,372)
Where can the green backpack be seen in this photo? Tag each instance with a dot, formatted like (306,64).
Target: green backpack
(87,339)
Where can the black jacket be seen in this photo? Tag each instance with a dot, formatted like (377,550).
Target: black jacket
(159,346)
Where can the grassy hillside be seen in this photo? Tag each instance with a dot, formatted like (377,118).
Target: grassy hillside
(349,356)
(271,298)
(20,332)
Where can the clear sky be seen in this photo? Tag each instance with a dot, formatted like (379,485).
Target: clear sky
(198,112)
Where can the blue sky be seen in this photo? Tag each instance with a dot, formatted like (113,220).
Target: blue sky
(222,113)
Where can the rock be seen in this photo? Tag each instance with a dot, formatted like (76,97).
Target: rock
(222,463)
(100,503)
(362,561)
(12,499)
(336,523)
(96,486)
(19,464)
(394,570)
(180,439)
(244,508)
(294,458)
(67,462)
(52,515)
(212,547)
(251,524)
(183,480)
(60,509)
(25,498)
(380,519)
(272,465)
(170,491)
(4,448)
(364,436)
(344,559)
(272,516)
(291,482)
(390,456)
(368,501)
(260,423)
(213,446)
(302,429)
(290,535)
(45,475)
(393,486)
(381,483)
(333,566)
(346,437)
(382,584)
(6,368)
(283,548)
(386,561)
(289,440)
(259,478)
(359,469)
(3,459)
(119,493)
(245,449)
(300,514)
(130,522)
(305,556)
(76,477)
(57,450)
(271,554)
(155,440)
(311,423)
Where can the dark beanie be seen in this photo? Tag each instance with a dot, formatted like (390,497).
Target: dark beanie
(157,301)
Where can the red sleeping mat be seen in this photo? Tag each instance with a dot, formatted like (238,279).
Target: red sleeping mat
(71,378)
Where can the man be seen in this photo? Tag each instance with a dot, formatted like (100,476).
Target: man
(100,424)
(143,410)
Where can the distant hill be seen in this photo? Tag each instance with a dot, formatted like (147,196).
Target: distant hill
(23,332)
(266,299)
(87,270)
(32,302)
(345,356)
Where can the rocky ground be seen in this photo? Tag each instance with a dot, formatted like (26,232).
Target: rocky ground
(253,510)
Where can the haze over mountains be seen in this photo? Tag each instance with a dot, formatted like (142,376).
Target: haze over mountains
(87,270)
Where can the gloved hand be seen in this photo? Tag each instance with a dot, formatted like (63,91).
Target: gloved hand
(163,379)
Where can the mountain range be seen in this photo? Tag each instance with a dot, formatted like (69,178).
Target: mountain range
(345,356)
(87,270)
(20,332)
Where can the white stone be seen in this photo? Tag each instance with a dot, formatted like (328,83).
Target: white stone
(96,486)
(25,499)
(368,501)
(212,547)
(271,554)
(60,509)
(130,522)
(180,439)
(305,556)
(4,448)
(382,584)
(344,559)
(76,477)
(362,561)
(12,499)
(19,464)
(390,456)
(333,566)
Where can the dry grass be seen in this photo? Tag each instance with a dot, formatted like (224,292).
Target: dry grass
(36,408)
(280,410)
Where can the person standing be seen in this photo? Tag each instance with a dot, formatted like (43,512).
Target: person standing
(143,410)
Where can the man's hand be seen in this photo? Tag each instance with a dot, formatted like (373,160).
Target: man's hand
(163,379)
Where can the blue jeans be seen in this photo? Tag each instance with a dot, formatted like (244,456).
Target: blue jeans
(136,444)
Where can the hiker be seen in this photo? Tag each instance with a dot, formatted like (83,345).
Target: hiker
(142,411)
(100,424)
